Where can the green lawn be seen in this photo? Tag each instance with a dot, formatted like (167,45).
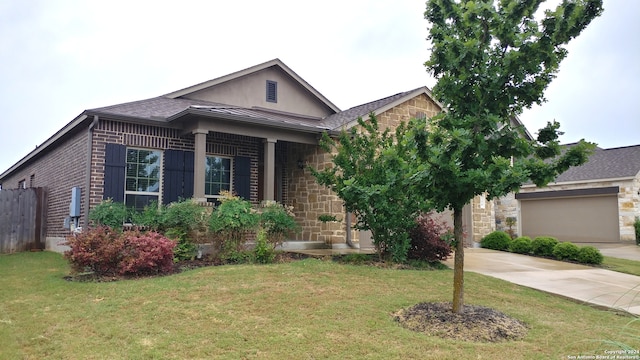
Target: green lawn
(308,309)
(622,265)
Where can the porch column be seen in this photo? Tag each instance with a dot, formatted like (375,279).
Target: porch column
(269,168)
(199,161)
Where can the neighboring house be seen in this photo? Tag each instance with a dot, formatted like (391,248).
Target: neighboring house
(593,203)
(252,132)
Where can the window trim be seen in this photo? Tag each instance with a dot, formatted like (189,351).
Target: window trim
(160,174)
(231,167)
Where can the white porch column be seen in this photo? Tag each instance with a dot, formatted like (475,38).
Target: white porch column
(200,160)
(269,168)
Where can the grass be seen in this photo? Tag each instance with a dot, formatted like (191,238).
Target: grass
(307,309)
(622,265)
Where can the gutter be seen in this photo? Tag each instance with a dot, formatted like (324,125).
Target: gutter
(87,200)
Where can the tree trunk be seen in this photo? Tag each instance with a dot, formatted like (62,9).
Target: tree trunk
(458,267)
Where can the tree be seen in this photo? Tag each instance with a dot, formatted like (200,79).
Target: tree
(491,59)
(371,177)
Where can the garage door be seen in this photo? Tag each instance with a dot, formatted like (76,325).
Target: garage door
(575,219)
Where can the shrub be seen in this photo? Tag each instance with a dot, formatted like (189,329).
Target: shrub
(590,255)
(636,226)
(566,251)
(109,213)
(150,218)
(543,245)
(231,222)
(521,245)
(263,252)
(98,250)
(146,253)
(185,216)
(277,221)
(427,241)
(497,240)
(107,252)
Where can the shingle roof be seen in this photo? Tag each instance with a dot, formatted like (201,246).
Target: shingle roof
(157,108)
(612,163)
(337,120)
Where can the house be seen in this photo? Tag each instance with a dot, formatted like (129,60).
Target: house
(593,203)
(252,132)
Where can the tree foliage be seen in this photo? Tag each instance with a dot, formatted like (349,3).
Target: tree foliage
(371,176)
(491,59)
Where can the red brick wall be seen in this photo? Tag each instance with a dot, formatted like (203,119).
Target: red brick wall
(62,168)
(154,137)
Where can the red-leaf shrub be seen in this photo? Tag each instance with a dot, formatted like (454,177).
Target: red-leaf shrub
(146,253)
(109,253)
(427,239)
(97,249)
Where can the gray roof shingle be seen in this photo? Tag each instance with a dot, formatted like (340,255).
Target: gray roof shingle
(612,163)
(339,119)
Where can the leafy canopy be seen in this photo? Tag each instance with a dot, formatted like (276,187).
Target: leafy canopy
(492,59)
(371,176)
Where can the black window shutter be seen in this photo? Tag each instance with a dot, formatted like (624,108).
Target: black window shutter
(178,175)
(187,190)
(242,178)
(114,165)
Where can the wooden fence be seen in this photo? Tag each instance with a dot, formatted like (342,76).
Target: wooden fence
(22,219)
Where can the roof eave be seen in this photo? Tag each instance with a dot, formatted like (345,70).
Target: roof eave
(247,121)
(421,90)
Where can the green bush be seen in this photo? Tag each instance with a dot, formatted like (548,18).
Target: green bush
(277,221)
(521,245)
(263,252)
(566,251)
(186,216)
(497,240)
(150,218)
(543,245)
(590,255)
(231,222)
(109,213)
(636,225)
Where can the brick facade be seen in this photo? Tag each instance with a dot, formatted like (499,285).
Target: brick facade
(63,168)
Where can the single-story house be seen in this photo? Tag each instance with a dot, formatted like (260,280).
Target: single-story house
(593,203)
(252,132)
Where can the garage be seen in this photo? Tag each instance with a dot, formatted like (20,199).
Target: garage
(581,215)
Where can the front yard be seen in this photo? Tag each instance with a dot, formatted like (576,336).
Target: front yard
(305,309)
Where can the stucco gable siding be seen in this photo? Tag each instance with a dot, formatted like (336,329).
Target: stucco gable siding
(250,91)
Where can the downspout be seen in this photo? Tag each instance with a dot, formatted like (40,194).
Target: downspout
(349,242)
(87,192)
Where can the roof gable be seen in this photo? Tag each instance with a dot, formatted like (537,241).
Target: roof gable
(247,88)
(349,117)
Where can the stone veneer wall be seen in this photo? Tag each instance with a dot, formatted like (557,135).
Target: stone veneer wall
(628,200)
(311,200)
(482,217)
(506,206)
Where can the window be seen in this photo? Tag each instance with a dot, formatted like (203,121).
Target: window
(217,176)
(272,91)
(142,179)
(22,184)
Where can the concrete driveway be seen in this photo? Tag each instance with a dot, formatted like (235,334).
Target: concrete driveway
(583,283)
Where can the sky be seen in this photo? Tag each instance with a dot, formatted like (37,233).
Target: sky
(59,58)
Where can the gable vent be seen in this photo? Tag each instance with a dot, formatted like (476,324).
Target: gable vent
(272,91)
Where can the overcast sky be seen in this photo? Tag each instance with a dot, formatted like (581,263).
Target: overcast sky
(58,58)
